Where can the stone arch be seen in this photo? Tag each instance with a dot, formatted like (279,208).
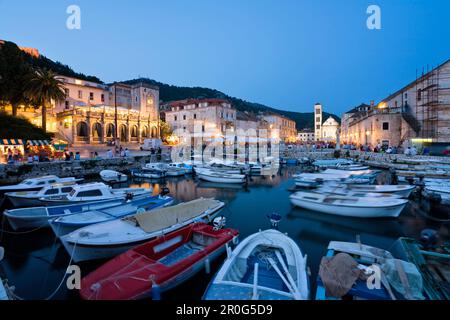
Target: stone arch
(134,131)
(97,131)
(154,132)
(145,132)
(123,133)
(82,129)
(110,131)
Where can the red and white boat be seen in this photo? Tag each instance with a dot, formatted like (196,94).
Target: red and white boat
(165,261)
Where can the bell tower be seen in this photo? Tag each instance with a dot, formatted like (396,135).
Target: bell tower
(318,122)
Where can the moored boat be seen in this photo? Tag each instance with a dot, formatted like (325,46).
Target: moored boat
(38,217)
(365,207)
(165,261)
(267,265)
(112,176)
(69,223)
(36,184)
(221,177)
(108,239)
(403,191)
(21,199)
(96,191)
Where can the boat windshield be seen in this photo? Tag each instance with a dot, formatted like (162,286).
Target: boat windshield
(28,182)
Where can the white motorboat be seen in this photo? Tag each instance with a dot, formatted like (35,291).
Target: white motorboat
(267,265)
(363,207)
(332,163)
(96,191)
(31,198)
(69,223)
(443,190)
(109,239)
(343,191)
(113,176)
(148,174)
(38,217)
(188,169)
(219,177)
(403,191)
(36,184)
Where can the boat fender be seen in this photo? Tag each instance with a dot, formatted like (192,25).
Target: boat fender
(207,266)
(156,290)
(227,247)
(140,210)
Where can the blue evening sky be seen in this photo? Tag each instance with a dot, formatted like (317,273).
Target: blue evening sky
(287,54)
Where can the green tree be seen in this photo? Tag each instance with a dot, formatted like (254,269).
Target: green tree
(42,87)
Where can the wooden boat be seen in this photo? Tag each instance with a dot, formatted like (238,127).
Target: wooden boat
(165,261)
(36,184)
(96,191)
(349,206)
(69,223)
(220,177)
(109,239)
(365,259)
(111,176)
(432,264)
(22,199)
(265,266)
(38,217)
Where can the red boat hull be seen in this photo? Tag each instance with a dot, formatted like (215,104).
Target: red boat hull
(164,261)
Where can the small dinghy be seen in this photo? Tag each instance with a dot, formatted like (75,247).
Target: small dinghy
(221,177)
(403,191)
(109,239)
(21,199)
(38,217)
(69,223)
(349,272)
(36,184)
(348,206)
(265,266)
(111,176)
(96,191)
(165,262)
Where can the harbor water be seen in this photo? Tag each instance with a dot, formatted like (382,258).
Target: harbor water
(35,262)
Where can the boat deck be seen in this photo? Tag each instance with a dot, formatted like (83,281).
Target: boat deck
(181,253)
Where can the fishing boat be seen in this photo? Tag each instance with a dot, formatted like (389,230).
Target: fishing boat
(21,199)
(221,177)
(160,264)
(433,264)
(267,265)
(69,223)
(349,206)
(38,217)
(109,239)
(111,176)
(346,265)
(403,191)
(36,184)
(94,192)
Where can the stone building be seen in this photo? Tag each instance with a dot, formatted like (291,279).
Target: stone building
(418,113)
(88,115)
(324,131)
(285,126)
(306,136)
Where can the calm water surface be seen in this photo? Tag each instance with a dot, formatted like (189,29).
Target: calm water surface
(36,262)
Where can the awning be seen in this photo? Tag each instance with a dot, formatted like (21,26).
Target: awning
(11,142)
(38,142)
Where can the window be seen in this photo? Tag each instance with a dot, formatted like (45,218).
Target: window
(203,128)
(396,103)
(91,96)
(184,117)
(90,193)
(66,190)
(318,119)
(67,104)
(51,192)
(385,126)
(318,127)
(174,118)
(103,97)
(195,116)
(67,92)
(419,95)
(80,94)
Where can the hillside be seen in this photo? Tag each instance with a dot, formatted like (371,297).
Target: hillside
(20,128)
(171,93)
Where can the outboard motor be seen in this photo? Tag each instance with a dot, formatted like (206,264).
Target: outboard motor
(429,238)
(129,196)
(410,180)
(275,219)
(394,177)
(219,223)
(164,191)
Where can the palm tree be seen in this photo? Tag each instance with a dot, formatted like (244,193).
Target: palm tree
(42,87)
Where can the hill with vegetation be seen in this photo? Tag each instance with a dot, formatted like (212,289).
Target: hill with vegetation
(20,128)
